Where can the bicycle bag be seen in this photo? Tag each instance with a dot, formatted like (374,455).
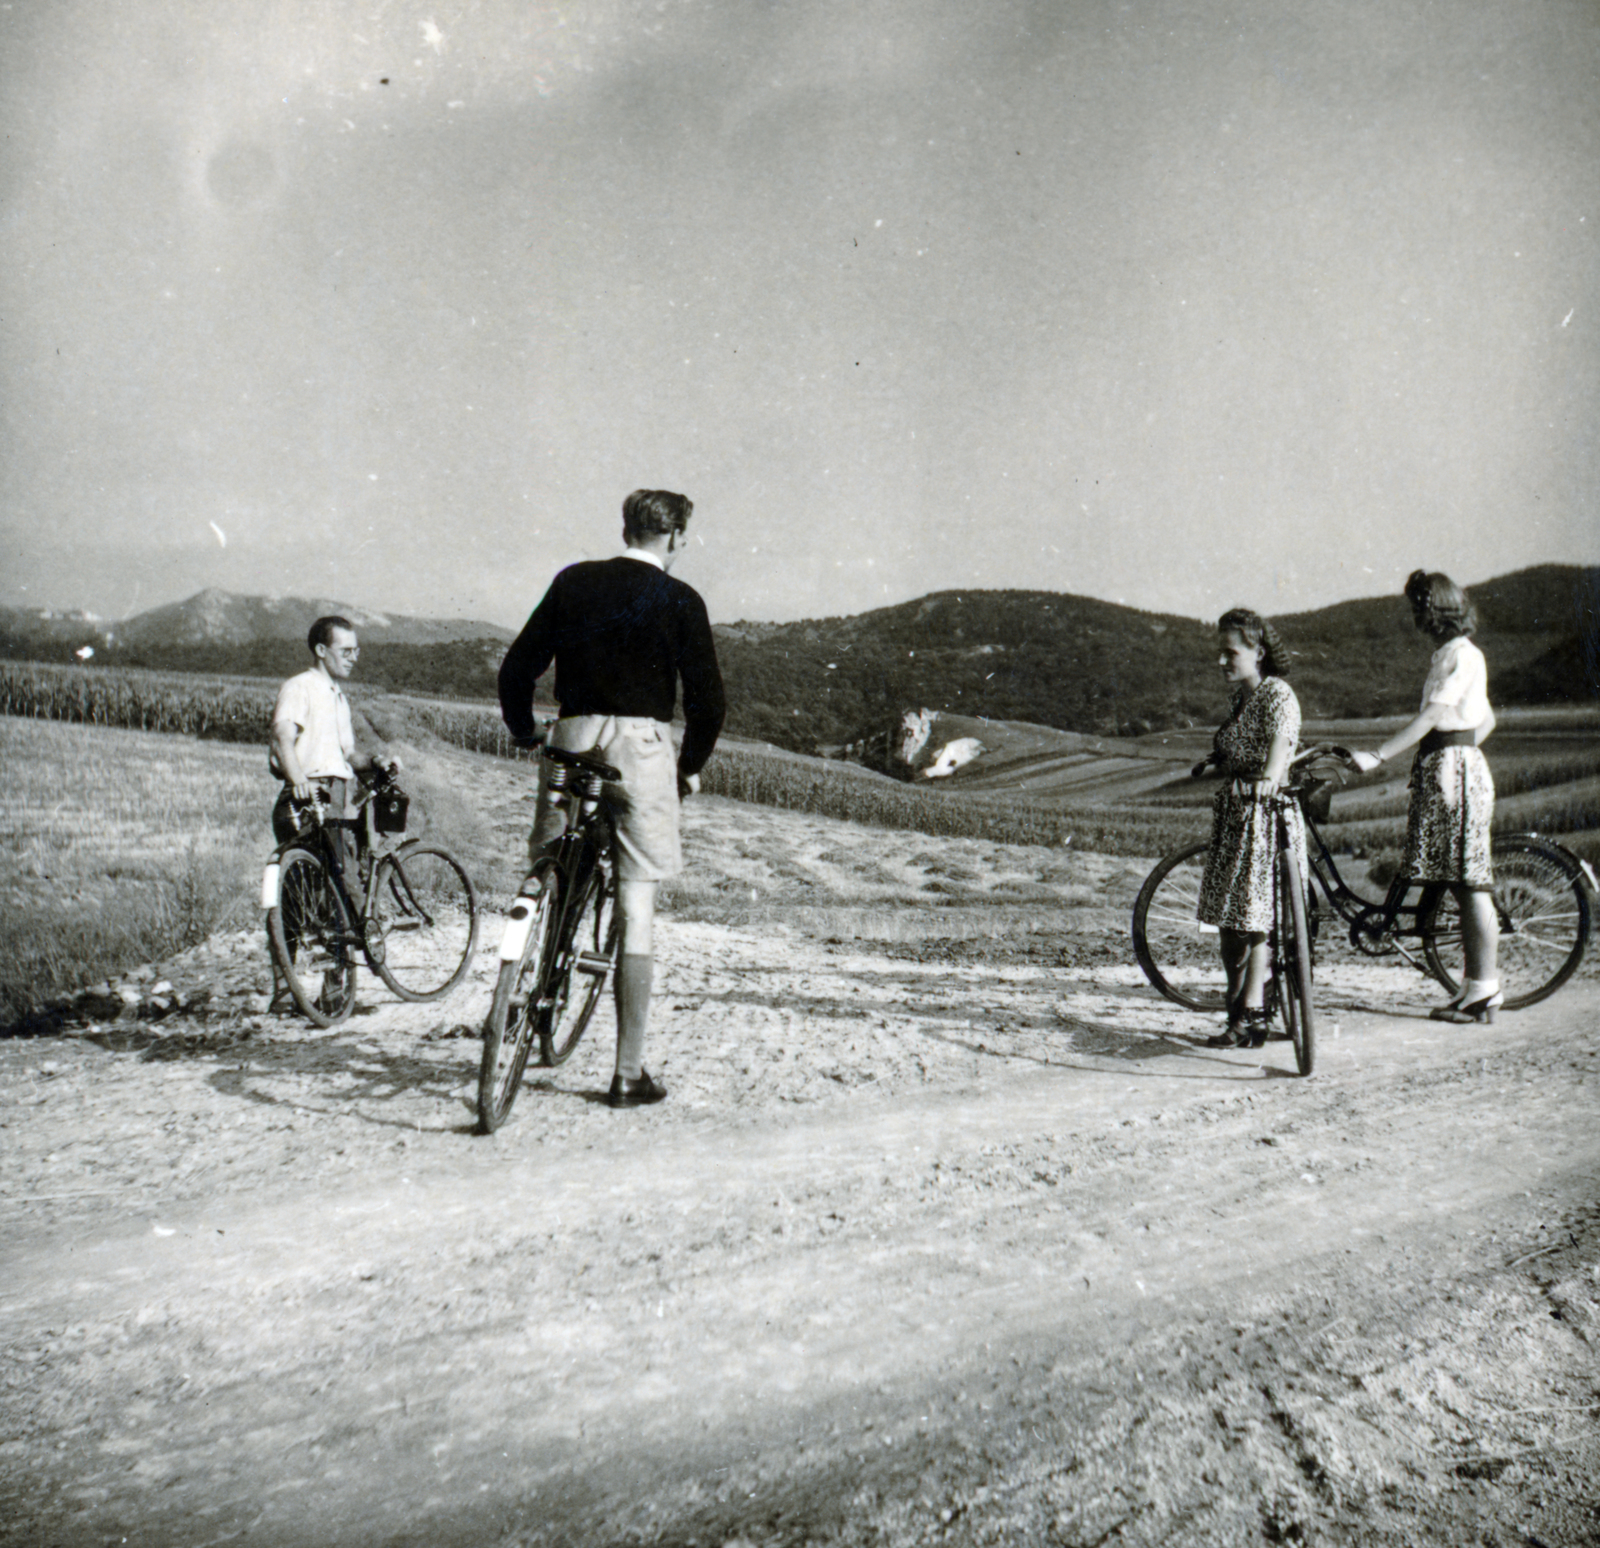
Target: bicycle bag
(1318,799)
(389,808)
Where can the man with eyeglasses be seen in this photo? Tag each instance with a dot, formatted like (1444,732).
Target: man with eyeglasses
(313,748)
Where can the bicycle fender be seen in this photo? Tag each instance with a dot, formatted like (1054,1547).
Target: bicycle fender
(1583,865)
(269,885)
(515,940)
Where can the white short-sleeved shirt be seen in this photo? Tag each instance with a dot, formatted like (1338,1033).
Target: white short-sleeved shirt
(1459,680)
(324,743)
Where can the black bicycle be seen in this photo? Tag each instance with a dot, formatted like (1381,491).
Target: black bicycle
(411,911)
(1541,895)
(560,943)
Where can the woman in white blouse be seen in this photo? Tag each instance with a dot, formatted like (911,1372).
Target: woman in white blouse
(1452,792)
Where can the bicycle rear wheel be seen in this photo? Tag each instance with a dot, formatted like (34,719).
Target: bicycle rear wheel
(1179,955)
(583,964)
(312,940)
(512,1026)
(1293,962)
(427,921)
(1543,903)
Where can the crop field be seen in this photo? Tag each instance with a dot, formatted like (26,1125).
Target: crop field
(1036,785)
(117,847)
(122,847)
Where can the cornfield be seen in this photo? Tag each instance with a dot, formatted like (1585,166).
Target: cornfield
(743,774)
(1554,792)
(238,710)
(470,727)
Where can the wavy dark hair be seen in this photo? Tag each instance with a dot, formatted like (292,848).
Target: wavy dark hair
(321,632)
(1254,630)
(655,512)
(1440,607)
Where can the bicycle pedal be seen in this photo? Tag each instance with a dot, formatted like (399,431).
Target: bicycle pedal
(595,962)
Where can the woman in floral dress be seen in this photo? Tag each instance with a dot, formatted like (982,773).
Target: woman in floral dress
(1452,791)
(1252,752)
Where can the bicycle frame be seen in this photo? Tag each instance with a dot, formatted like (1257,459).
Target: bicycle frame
(577,855)
(318,834)
(1376,929)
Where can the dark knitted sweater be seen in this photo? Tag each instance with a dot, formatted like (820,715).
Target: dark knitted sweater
(621,633)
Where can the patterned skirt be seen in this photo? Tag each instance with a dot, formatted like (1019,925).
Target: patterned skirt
(1447,830)
(1236,887)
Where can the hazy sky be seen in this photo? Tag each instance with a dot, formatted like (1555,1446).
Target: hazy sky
(1173,302)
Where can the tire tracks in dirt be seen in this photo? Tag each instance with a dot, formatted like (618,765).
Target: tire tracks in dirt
(1053,1274)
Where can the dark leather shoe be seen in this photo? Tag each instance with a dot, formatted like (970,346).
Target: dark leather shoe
(1232,1035)
(1257,1024)
(1463,1015)
(635,1093)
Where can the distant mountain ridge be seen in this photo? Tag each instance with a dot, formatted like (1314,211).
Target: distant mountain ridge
(254,636)
(216,617)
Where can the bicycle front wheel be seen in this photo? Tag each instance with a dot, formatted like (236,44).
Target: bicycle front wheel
(312,941)
(1179,955)
(1543,905)
(1294,963)
(584,962)
(510,1031)
(426,918)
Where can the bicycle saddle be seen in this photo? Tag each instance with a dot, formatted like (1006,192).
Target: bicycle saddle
(584,761)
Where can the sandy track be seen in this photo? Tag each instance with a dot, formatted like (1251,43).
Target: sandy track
(929,1244)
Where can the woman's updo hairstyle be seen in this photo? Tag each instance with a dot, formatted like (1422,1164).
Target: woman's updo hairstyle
(1441,607)
(1254,630)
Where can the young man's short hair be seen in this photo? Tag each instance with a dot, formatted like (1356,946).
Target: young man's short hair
(321,632)
(655,512)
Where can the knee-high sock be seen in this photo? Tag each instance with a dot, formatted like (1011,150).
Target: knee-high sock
(634,974)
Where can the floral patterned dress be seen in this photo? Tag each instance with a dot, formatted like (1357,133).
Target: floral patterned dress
(1236,888)
(1452,790)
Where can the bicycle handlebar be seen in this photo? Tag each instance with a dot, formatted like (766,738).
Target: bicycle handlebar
(384,778)
(1298,764)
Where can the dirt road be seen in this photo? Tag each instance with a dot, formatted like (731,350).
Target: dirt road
(950,1243)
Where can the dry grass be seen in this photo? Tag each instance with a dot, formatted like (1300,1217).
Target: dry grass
(121,847)
(117,847)
(1547,771)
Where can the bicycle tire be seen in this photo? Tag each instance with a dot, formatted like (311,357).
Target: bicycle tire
(1294,963)
(1179,955)
(583,962)
(512,1025)
(1540,889)
(427,913)
(312,940)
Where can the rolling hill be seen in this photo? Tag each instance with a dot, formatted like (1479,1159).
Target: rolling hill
(1104,670)
(1046,659)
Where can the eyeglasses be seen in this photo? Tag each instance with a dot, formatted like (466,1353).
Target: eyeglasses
(349,652)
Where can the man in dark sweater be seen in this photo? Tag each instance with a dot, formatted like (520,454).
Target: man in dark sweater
(622,633)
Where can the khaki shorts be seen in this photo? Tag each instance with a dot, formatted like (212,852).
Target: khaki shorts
(644,804)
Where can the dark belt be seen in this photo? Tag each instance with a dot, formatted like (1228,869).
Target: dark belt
(1437,741)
